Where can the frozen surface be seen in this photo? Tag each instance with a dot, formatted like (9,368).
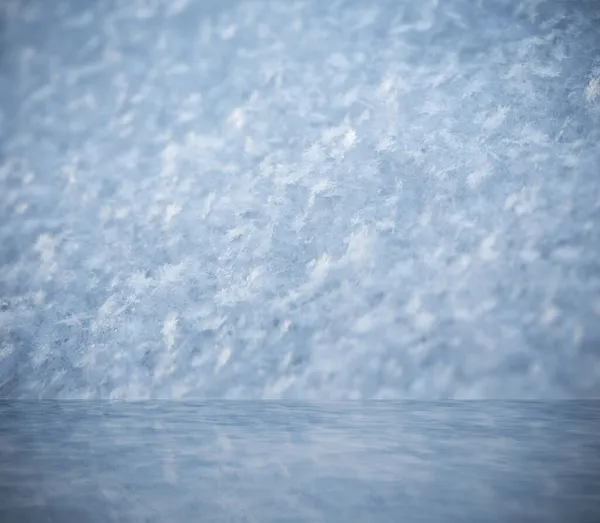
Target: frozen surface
(285,199)
(245,462)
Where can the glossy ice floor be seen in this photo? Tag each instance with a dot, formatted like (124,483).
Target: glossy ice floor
(241,462)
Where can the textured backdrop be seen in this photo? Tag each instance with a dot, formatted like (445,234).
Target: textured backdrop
(292,200)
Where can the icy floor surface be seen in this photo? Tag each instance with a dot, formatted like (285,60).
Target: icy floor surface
(289,199)
(263,462)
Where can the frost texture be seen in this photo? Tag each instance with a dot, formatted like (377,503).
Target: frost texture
(291,200)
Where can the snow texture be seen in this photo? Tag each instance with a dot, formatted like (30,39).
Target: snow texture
(263,462)
(285,199)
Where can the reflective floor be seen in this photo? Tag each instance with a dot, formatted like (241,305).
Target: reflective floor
(275,462)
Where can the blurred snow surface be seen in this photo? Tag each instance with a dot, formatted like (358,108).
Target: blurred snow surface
(335,200)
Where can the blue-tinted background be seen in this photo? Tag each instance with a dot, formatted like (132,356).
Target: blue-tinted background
(333,200)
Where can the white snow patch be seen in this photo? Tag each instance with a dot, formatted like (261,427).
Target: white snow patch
(237,118)
(21,208)
(424,320)
(496,118)
(174,7)
(592,90)
(223,358)
(169,329)
(229,32)
(208,203)
(320,267)
(358,244)
(45,246)
(486,248)
(171,211)
(549,315)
